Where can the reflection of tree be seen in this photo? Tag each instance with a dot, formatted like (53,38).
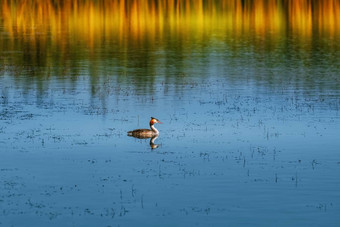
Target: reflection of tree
(141,43)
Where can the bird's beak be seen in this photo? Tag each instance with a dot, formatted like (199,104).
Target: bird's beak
(159,122)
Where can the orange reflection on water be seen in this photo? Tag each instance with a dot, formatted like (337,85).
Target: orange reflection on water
(92,21)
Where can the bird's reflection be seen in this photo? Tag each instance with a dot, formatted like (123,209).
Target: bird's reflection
(152,144)
(152,140)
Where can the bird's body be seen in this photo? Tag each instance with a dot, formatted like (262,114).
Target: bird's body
(146,133)
(142,133)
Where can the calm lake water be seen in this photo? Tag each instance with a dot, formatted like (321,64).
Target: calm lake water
(248,93)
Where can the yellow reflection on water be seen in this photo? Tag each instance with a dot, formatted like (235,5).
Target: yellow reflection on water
(92,21)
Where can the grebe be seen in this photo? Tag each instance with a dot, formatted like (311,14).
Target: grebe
(146,133)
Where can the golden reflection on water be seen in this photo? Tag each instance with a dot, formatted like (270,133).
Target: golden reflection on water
(48,38)
(91,21)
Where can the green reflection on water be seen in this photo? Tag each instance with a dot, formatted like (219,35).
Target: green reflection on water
(139,41)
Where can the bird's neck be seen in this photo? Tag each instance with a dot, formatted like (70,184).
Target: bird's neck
(154,129)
